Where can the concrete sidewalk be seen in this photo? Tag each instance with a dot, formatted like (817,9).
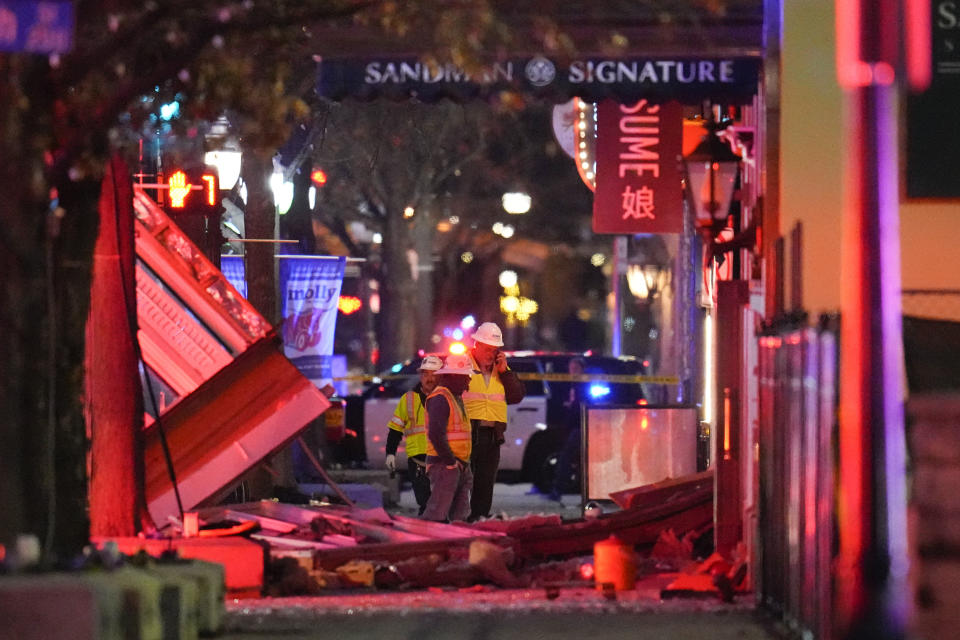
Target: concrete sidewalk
(491,613)
(487,612)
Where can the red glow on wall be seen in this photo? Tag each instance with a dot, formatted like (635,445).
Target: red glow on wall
(349,304)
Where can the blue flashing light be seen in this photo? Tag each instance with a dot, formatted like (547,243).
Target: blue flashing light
(447,332)
(468,322)
(170,110)
(396,368)
(458,334)
(599,390)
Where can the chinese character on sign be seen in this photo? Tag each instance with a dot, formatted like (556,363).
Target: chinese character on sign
(638,204)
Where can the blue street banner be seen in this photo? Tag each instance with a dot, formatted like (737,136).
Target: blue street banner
(36,27)
(310,290)
(232,269)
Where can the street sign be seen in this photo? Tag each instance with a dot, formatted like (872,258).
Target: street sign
(36,27)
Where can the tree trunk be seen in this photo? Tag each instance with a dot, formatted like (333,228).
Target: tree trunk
(259,220)
(423,232)
(260,223)
(45,256)
(113,396)
(399,300)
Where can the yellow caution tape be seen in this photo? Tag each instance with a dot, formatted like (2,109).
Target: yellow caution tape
(550,377)
(598,377)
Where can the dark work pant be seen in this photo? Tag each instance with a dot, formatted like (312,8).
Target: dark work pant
(449,492)
(484,460)
(419,480)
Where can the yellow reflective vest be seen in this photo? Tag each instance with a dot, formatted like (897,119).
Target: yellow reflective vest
(410,419)
(485,400)
(458,427)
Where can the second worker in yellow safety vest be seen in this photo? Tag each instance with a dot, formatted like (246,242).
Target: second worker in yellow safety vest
(486,400)
(449,444)
(409,421)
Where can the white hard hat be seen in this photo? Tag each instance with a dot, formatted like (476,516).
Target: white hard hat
(430,363)
(457,364)
(489,333)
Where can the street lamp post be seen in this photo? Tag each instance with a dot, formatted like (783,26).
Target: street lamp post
(711,172)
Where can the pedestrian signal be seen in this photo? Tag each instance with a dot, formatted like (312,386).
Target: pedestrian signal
(193,192)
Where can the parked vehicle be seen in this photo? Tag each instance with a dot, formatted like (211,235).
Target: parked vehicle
(534,435)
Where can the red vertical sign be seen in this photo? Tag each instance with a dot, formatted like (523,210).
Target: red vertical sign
(638,168)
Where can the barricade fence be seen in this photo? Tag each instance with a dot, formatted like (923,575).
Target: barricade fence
(797,435)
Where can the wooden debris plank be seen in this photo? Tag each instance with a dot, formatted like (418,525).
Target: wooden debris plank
(378,532)
(635,526)
(299,543)
(266,523)
(385,552)
(441,530)
(296,514)
(660,492)
(339,540)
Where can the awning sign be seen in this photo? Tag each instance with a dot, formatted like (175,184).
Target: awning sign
(639,187)
(36,27)
(625,79)
(310,290)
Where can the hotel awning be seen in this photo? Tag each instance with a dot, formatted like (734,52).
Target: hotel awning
(687,79)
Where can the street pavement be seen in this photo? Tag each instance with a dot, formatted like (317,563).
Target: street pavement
(487,612)
(511,501)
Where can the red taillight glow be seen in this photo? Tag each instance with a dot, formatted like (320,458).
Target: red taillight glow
(586,571)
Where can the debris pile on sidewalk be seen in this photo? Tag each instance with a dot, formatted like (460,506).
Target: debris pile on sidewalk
(320,548)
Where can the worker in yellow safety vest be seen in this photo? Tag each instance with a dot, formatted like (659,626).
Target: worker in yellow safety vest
(449,443)
(409,421)
(491,389)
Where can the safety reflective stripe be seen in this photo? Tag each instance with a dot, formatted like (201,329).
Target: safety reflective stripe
(458,427)
(410,423)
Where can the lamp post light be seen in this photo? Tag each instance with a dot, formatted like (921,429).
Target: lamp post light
(223,152)
(516,202)
(711,173)
(646,281)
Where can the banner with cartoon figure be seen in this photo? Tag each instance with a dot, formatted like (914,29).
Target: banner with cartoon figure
(309,291)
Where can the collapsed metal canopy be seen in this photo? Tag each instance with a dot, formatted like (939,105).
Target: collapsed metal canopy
(218,383)
(688,79)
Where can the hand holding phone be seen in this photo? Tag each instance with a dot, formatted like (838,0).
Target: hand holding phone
(500,361)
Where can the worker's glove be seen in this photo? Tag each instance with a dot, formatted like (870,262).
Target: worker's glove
(391,462)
